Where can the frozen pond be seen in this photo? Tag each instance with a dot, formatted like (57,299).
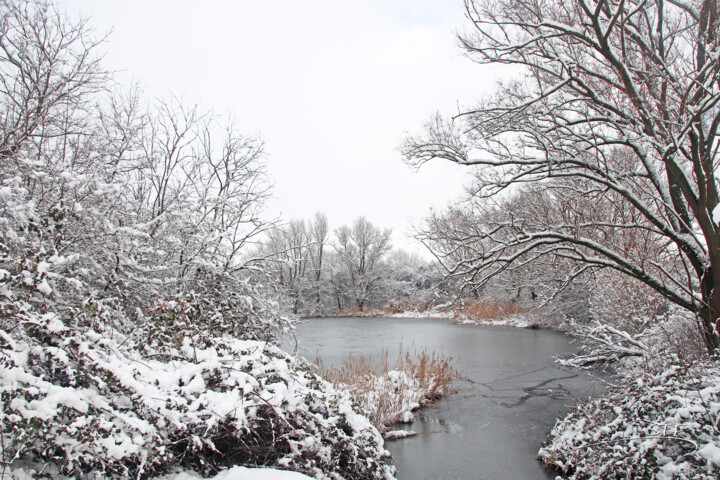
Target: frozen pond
(509,396)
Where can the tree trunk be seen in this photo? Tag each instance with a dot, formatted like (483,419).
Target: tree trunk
(318,299)
(709,314)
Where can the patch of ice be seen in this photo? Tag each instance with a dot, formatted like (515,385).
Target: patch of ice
(394,434)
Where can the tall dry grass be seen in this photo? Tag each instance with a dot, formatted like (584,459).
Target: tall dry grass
(389,395)
(484,310)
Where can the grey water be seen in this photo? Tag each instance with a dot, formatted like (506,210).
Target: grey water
(509,394)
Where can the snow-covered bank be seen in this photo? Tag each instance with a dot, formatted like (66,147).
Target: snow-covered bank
(388,313)
(661,425)
(235,473)
(659,420)
(522,320)
(472,313)
(515,321)
(241,473)
(79,399)
(424,314)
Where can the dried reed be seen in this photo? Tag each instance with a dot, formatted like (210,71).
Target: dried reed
(483,310)
(386,395)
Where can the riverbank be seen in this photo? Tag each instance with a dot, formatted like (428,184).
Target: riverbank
(79,400)
(234,473)
(494,314)
(658,423)
(659,419)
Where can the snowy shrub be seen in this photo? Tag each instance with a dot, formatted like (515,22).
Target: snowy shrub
(649,341)
(658,423)
(83,398)
(201,319)
(624,302)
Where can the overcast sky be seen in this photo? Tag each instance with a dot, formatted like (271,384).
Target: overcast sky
(330,85)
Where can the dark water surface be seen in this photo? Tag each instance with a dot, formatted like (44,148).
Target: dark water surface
(509,395)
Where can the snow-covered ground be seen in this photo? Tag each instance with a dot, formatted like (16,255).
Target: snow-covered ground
(425,314)
(516,321)
(524,320)
(235,473)
(241,473)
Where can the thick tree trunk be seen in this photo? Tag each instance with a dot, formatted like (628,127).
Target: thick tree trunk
(709,315)
(708,324)
(318,300)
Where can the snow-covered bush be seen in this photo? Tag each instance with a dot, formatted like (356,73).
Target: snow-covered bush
(80,397)
(640,342)
(661,419)
(659,423)
(624,302)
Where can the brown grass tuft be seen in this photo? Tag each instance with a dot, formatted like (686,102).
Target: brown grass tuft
(389,395)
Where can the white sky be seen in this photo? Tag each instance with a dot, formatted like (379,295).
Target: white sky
(330,85)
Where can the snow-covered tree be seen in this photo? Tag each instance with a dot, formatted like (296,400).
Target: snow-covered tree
(361,250)
(319,234)
(286,252)
(617,108)
(48,67)
(561,285)
(412,280)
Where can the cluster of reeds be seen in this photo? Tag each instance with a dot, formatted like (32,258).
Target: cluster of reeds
(389,395)
(484,310)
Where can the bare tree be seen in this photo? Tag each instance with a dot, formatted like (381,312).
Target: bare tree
(319,236)
(119,201)
(48,68)
(287,253)
(195,187)
(361,250)
(618,107)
